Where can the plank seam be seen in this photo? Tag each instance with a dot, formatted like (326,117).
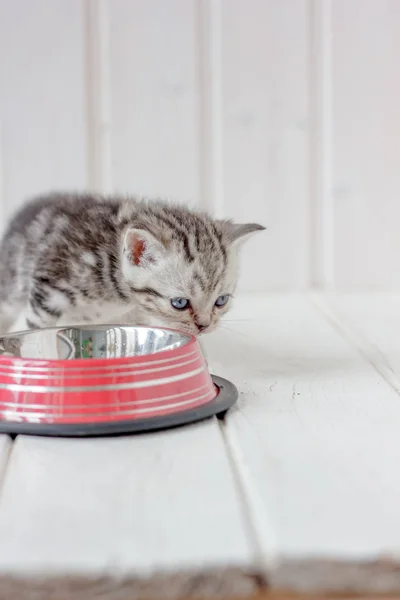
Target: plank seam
(358,341)
(4,463)
(99,176)
(260,532)
(209,16)
(320,98)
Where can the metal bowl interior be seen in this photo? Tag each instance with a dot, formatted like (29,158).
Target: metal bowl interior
(92,342)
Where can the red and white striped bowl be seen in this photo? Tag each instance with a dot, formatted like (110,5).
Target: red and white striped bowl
(103,379)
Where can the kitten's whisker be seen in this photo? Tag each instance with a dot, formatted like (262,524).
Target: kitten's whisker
(240,333)
(234,320)
(223,323)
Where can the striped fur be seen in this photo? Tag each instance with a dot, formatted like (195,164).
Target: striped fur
(70,259)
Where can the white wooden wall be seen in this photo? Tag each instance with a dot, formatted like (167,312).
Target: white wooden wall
(282,111)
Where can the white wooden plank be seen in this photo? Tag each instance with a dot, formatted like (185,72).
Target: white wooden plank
(265,97)
(322,209)
(316,440)
(42,98)
(366,142)
(154,103)
(98,95)
(5,447)
(211,106)
(145,516)
(371,322)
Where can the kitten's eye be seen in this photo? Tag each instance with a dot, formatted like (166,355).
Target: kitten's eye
(180,303)
(222,300)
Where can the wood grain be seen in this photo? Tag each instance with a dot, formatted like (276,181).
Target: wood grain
(365,142)
(265,120)
(297,489)
(150,516)
(280,112)
(371,323)
(5,448)
(119,592)
(42,99)
(154,98)
(316,446)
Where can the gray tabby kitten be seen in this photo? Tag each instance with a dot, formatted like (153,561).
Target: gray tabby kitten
(73,259)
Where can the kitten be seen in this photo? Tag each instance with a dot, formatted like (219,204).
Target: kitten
(74,259)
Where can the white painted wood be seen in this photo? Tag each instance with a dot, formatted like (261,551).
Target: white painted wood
(42,98)
(265,71)
(5,448)
(317,448)
(143,97)
(98,95)
(322,206)
(366,142)
(154,97)
(283,112)
(148,516)
(211,106)
(312,501)
(371,322)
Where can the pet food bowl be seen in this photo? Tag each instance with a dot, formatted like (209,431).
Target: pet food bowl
(102,380)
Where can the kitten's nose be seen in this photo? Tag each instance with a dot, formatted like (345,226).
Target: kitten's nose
(201,326)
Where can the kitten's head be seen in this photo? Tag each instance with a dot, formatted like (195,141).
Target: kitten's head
(183,266)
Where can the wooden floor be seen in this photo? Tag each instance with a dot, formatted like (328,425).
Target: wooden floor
(298,489)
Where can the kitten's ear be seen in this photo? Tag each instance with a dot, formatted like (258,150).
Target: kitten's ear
(237,233)
(142,247)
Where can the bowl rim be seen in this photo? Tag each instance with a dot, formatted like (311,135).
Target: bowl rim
(79,363)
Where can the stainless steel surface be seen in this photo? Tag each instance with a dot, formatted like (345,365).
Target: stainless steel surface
(96,341)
